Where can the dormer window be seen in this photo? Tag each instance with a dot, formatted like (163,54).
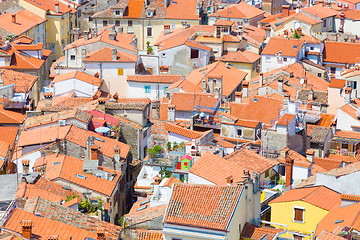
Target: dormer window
(150,12)
(117,12)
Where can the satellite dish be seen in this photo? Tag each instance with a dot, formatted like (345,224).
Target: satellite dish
(302,81)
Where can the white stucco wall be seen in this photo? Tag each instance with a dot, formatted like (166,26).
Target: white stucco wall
(32,157)
(137,90)
(82,89)
(345,121)
(340,184)
(274,63)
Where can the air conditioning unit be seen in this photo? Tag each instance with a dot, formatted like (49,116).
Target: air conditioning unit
(62,122)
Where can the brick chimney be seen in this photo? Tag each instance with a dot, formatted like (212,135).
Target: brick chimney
(310,154)
(100,232)
(286,10)
(261,79)
(157,180)
(13,18)
(166,29)
(94,152)
(238,97)
(348,95)
(229,181)
(280,85)
(56,237)
(299,30)
(26,227)
(245,86)
(289,170)
(114,54)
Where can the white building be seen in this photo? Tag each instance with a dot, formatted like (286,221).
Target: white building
(113,66)
(348,22)
(150,86)
(82,84)
(280,52)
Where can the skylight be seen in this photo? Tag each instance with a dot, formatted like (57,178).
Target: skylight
(81,176)
(144,202)
(141,208)
(295,46)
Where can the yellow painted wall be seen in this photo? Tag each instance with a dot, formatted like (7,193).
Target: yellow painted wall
(284,212)
(246,67)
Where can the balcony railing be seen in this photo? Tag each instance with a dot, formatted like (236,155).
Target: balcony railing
(343,152)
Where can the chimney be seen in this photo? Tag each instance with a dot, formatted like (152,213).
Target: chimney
(117,156)
(289,170)
(171,112)
(166,29)
(26,227)
(286,33)
(280,85)
(13,18)
(204,85)
(94,152)
(157,180)
(246,176)
(48,97)
(97,74)
(286,99)
(116,96)
(100,234)
(245,86)
(311,95)
(76,32)
(155,108)
(238,97)
(310,154)
(261,79)
(229,181)
(93,32)
(112,36)
(246,23)
(217,92)
(348,95)
(286,10)
(297,9)
(57,7)
(114,54)
(304,85)
(56,237)
(86,35)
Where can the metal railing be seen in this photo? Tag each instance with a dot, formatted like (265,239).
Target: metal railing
(7,212)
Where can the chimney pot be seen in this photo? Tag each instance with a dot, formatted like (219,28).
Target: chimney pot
(94,152)
(100,232)
(26,226)
(57,8)
(13,17)
(229,180)
(289,162)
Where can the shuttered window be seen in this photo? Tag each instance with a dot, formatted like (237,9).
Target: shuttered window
(120,71)
(298,214)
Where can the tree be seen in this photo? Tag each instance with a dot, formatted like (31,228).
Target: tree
(156,150)
(168,146)
(165,173)
(296,35)
(175,145)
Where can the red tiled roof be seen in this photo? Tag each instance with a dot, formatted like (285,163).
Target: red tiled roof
(320,11)
(238,11)
(182,131)
(213,205)
(170,181)
(286,119)
(288,47)
(45,135)
(324,235)
(23,82)
(340,52)
(337,83)
(10,117)
(340,217)
(185,9)
(8,134)
(85,77)
(258,232)
(187,101)
(45,227)
(320,196)
(231,77)
(185,86)
(240,56)
(68,169)
(105,55)
(327,163)
(223,22)
(46,5)
(149,234)
(155,78)
(350,197)
(299,160)
(25,20)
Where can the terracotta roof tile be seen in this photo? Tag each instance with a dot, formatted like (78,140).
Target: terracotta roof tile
(44,188)
(10,117)
(170,181)
(45,227)
(350,197)
(185,9)
(149,234)
(286,119)
(105,55)
(320,11)
(25,20)
(340,52)
(339,218)
(68,168)
(327,163)
(187,101)
(85,77)
(241,56)
(133,9)
(185,86)
(136,216)
(258,232)
(23,82)
(299,160)
(202,206)
(223,22)
(37,136)
(324,235)
(231,77)
(337,83)
(238,11)
(79,136)
(182,131)
(8,134)
(50,5)
(155,78)
(288,47)
(320,196)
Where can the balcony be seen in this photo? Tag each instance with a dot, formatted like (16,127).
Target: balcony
(343,152)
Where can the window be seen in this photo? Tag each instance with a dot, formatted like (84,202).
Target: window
(145,134)
(239,132)
(72,57)
(248,46)
(267,59)
(120,71)
(333,70)
(130,23)
(285,59)
(164,55)
(194,53)
(324,23)
(319,74)
(117,12)
(267,173)
(299,214)
(345,146)
(117,23)
(105,23)
(297,237)
(149,31)
(63,30)
(173,26)
(165,89)
(147,89)
(311,48)
(90,19)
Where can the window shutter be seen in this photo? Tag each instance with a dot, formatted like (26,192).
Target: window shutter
(298,214)
(120,71)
